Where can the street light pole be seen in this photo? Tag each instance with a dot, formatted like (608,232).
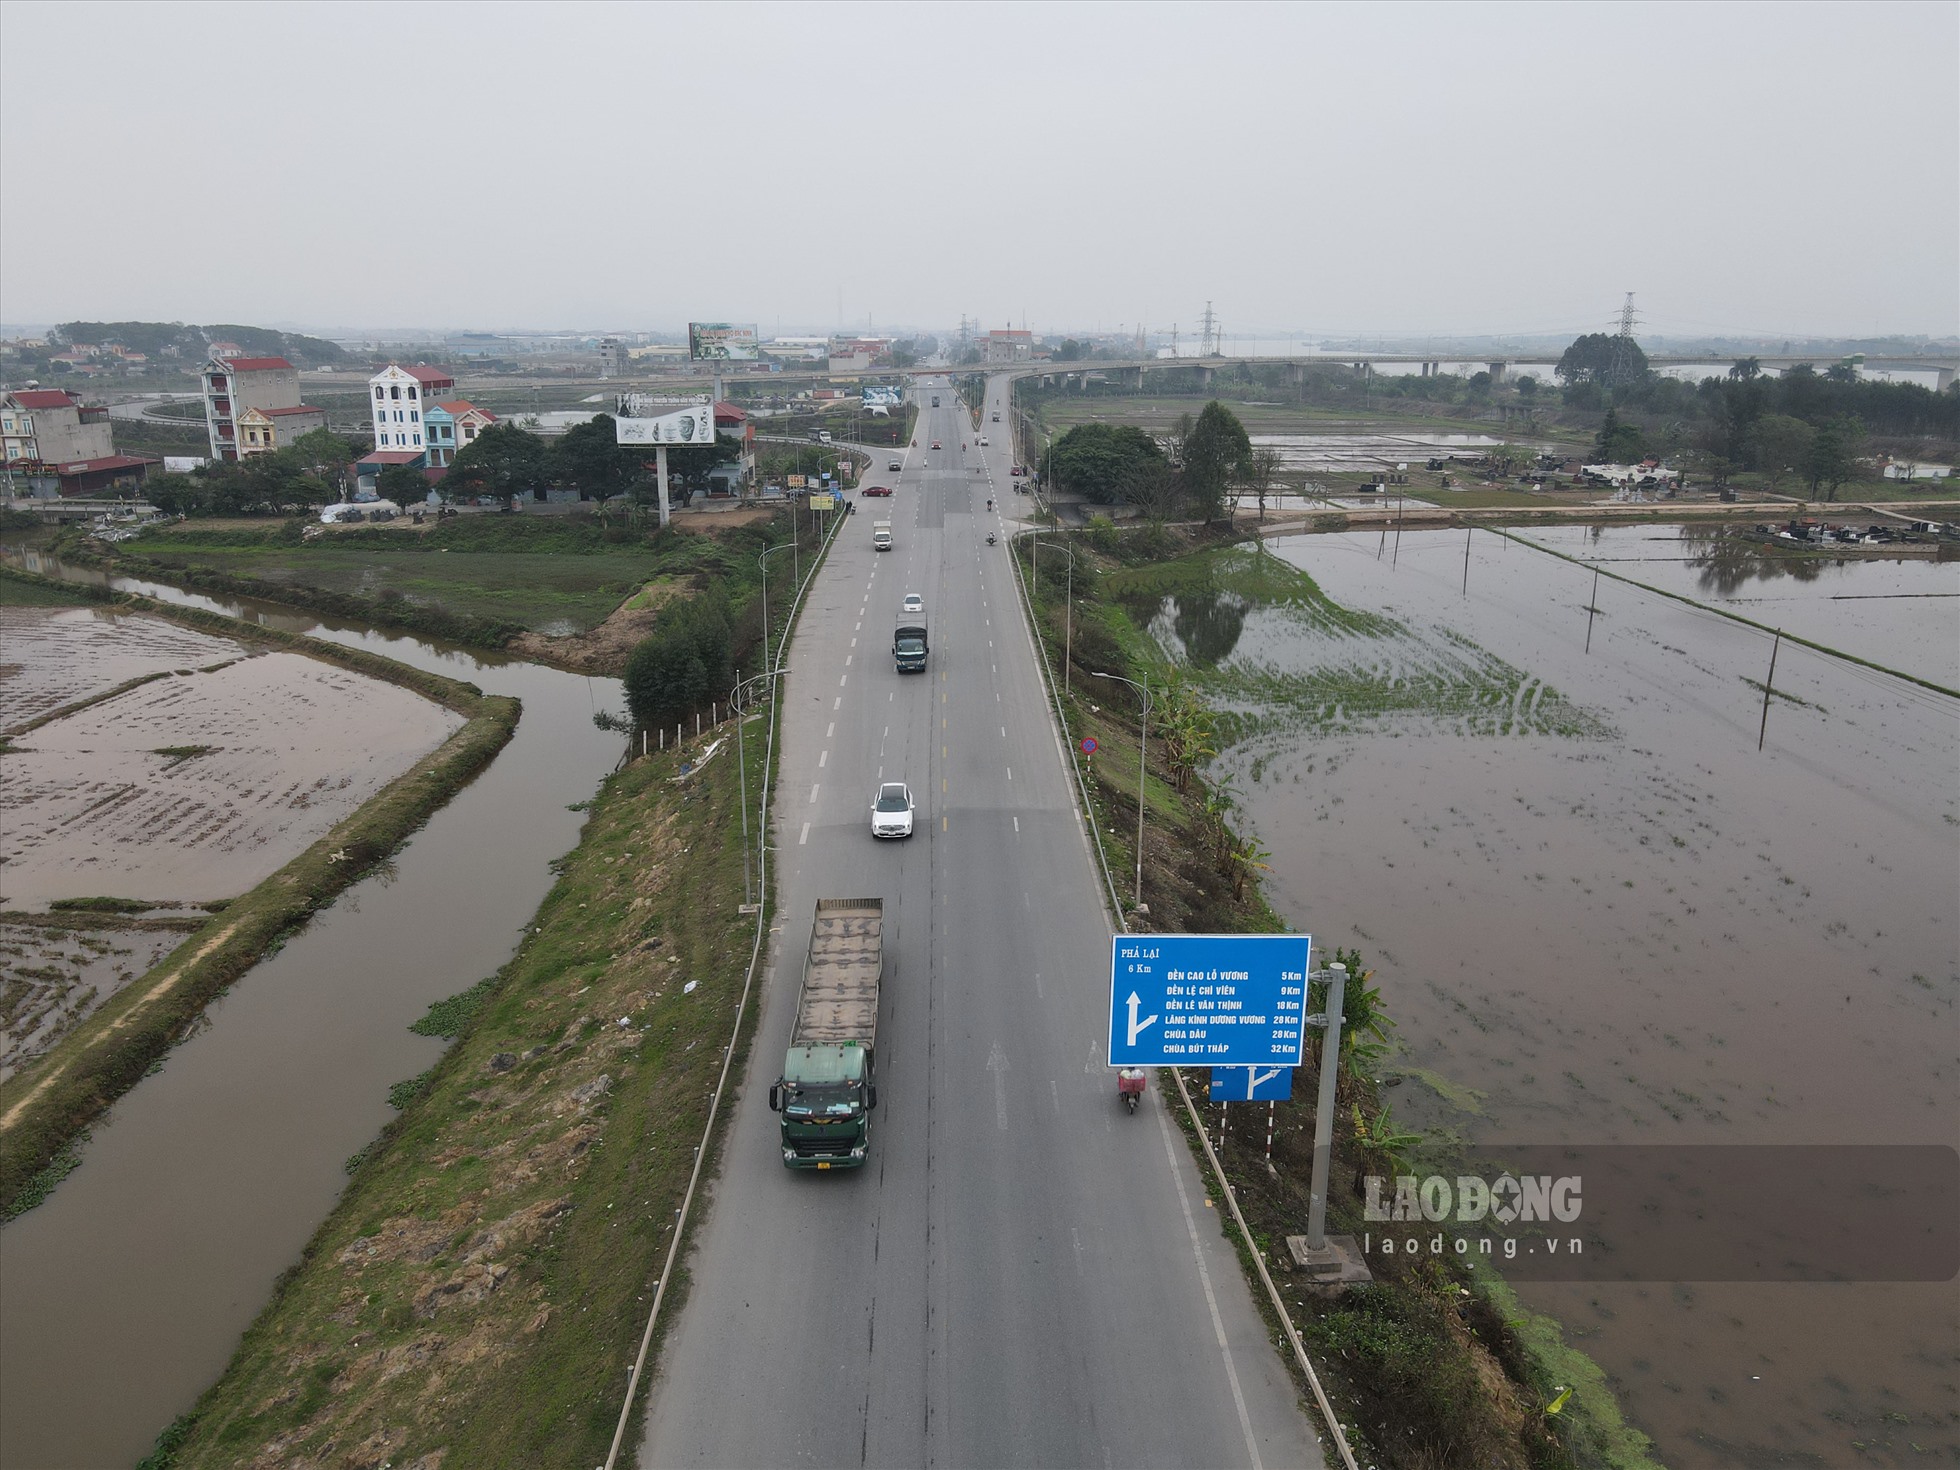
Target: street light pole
(1143,748)
(1068,615)
(763,562)
(742,764)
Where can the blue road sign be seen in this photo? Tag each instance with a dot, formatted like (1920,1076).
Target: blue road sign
(1221,1000)
(1251,1084)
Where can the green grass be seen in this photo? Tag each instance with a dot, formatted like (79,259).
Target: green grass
(542,591)
(578,1198)
(38,592)
(1344,669)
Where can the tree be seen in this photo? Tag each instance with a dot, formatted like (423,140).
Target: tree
(1834,454)
(1600,357)
(176,495)
(1527,386)
(589,458)
(1780,445)
(401,484)
(503,460)
(1106,463)
(1746,370)
(323,452)
(1618,442)
(1266,461)
(1070,351)
(683,664)
(1214,455)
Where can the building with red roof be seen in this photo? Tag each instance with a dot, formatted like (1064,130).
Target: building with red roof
(103,474)
(233,384)
(43,425)
(400,398)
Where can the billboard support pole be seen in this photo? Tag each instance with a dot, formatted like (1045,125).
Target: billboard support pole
(1323,1122)
(660,462)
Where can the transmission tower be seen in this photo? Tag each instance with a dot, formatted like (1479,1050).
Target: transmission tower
(1208,343)
(1628,318)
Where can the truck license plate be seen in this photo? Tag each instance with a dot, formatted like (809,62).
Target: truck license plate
(823,1163)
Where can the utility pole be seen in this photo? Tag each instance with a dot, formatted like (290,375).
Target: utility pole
(1208,343)
(1628,318)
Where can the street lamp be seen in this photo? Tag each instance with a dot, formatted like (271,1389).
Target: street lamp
(735,699)
(1143,745)
(1068,620)
(763,562)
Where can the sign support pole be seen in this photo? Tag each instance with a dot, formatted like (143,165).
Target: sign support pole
(660,459)
(1323,1122)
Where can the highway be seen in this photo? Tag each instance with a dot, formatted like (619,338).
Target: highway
(1022,1274)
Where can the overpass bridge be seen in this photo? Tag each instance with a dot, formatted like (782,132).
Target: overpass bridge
(1131,370)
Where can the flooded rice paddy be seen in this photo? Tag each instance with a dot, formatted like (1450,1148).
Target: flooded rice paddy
(196,785)
(1601,915)
(124,1294)
(1350,452)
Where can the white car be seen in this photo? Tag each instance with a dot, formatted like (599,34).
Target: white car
(891,813)
(913,603)
(983,441)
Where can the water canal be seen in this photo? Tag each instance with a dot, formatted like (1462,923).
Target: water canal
(123,1295)
(1601,915)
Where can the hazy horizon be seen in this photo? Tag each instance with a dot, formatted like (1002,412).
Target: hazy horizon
(1750,171)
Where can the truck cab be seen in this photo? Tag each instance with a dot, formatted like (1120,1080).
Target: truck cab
(825,1097)
(881,535)
(909,644)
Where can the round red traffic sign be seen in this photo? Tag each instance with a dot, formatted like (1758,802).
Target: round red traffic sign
(1089,745)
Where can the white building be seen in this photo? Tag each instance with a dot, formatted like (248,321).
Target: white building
(399,397)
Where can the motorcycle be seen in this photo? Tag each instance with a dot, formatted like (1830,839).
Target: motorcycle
(1129,1086)
(990,538)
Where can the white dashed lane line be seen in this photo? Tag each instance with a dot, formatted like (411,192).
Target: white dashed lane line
(813,792)
(830,730)
(806,833)
(838,705)
(823,757)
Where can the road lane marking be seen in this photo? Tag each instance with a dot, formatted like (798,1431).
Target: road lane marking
(806,835)
(823,759)
(1003,732)
(1010,773)
(854,644)
(942,824)
(830,729)
(1211,1300)
(839,705)
(888,731)
(813,792)
(1017,824)
(842,677)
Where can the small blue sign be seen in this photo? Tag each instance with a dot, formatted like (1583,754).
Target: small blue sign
(1251,1084)
(1219,1000)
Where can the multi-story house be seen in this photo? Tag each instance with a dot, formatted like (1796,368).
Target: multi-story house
(451,426)
(234,384)
(400,400)
(262,430)
(51,426)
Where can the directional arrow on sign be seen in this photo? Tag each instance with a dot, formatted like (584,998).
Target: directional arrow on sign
(1136,1026)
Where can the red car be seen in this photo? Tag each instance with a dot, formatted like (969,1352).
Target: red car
(1018,470)
(876,490)
(935,444)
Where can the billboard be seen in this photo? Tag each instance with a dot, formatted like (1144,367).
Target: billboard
(721,342)
(692,424)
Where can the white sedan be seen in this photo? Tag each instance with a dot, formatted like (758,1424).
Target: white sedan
(913,603)
(891,813)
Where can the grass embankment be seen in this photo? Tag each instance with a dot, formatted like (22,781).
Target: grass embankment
(501,1239)
(50,1103)
(1429,1365)
(482,581)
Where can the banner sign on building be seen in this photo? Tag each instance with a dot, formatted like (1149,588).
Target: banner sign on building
(690,426)
(722,342)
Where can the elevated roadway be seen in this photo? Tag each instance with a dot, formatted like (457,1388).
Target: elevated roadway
(1022,1274)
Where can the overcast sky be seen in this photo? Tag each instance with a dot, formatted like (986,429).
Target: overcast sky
(1761,168)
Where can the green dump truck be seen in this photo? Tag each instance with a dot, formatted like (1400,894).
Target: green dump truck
(826,1092)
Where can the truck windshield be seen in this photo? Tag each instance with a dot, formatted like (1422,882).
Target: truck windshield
(821,1100)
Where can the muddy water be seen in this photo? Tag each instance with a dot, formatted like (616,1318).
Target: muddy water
(123,1295)
(1646,931)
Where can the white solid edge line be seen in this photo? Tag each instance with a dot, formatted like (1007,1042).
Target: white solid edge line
(1211,1300)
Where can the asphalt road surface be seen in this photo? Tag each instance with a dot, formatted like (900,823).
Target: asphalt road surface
(1022,1274)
